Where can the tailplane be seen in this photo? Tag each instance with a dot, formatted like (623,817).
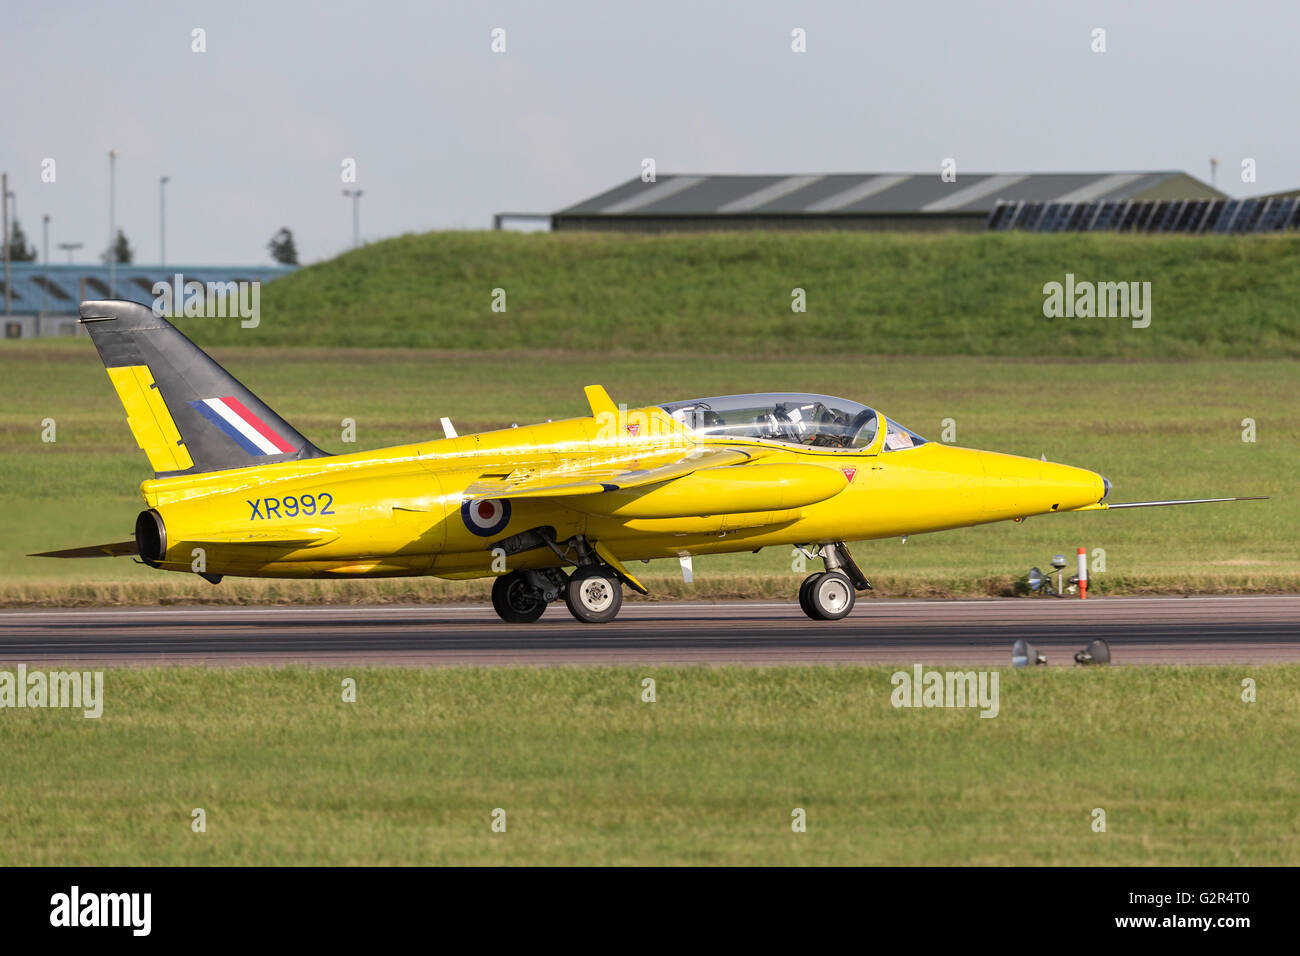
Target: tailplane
(188,414)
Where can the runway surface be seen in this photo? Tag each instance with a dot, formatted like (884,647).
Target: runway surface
(1221,630)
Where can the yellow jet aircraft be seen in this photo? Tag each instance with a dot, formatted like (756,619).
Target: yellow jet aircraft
(237,491)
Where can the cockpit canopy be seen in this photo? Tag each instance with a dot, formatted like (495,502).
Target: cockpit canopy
(792,417)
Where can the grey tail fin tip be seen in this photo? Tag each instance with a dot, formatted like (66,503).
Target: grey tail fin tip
(206,420)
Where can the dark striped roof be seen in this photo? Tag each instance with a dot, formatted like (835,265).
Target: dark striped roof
(864,193)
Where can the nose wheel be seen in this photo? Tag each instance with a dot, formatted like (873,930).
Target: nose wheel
(827,596)
(830,595)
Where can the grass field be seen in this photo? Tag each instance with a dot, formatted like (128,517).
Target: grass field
(730,294)
(711,772)
(1156,429)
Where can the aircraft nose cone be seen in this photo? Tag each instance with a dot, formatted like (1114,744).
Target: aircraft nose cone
(1105,483)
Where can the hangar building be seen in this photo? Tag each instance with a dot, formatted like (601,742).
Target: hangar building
(880,201)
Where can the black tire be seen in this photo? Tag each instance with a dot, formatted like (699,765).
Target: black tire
(803,595)
(594,595)
(832,596)
(515,600)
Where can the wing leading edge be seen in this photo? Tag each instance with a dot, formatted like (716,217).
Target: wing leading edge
(560,484)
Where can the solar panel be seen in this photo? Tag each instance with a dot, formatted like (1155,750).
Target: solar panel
(1106,213)
(1293,221)
(1173,211)
(1249,215)
(1082,213)
(1032,215)
(1192,212)
(1159,211)
(1002,216)
(1232,216)
(1275,216)
(1047,220)
(1130,216)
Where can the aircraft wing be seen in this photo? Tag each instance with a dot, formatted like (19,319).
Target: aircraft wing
(116,549)
(593,481)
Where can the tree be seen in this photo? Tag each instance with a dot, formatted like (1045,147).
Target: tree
(19,251)
(282,248)
(120,252)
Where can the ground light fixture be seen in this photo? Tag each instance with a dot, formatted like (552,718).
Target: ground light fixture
(1040,582)
(1023,654)
(1098,652)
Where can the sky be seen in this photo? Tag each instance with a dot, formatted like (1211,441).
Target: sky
(254,130)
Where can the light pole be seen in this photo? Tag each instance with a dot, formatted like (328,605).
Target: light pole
(355,194)
(162,219)
(4,216)
(45,257)
(112,224)
(70,248)
(11,223)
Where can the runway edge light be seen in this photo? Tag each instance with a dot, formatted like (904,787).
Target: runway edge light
(1023,654)
(1098,652)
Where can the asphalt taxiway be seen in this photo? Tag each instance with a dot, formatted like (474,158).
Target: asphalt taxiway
(1218,630)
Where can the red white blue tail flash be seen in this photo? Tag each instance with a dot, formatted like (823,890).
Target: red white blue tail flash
(242,426)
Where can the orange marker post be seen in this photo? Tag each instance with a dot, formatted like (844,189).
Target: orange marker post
(1083,574)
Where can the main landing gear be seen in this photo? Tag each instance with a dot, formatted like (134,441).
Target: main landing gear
(593,592)
(830,595)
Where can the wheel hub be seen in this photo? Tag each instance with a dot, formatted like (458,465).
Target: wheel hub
(834,595)
(596,594)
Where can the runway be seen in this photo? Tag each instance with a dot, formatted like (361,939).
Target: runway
(1218,630)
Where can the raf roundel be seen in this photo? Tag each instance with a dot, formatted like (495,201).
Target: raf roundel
(485,516)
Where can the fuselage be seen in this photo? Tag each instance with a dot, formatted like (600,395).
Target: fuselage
(406,511)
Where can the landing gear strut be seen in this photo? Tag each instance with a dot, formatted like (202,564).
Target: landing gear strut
(830,595)
(593,592)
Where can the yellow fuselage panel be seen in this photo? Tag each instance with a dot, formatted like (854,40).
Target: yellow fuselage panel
(402,510)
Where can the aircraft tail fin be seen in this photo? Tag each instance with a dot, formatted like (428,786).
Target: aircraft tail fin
(187,413)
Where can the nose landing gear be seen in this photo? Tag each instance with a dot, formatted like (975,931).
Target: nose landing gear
(830,595)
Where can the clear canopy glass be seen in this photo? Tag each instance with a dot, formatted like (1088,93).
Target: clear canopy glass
(899,437)
(792,417)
